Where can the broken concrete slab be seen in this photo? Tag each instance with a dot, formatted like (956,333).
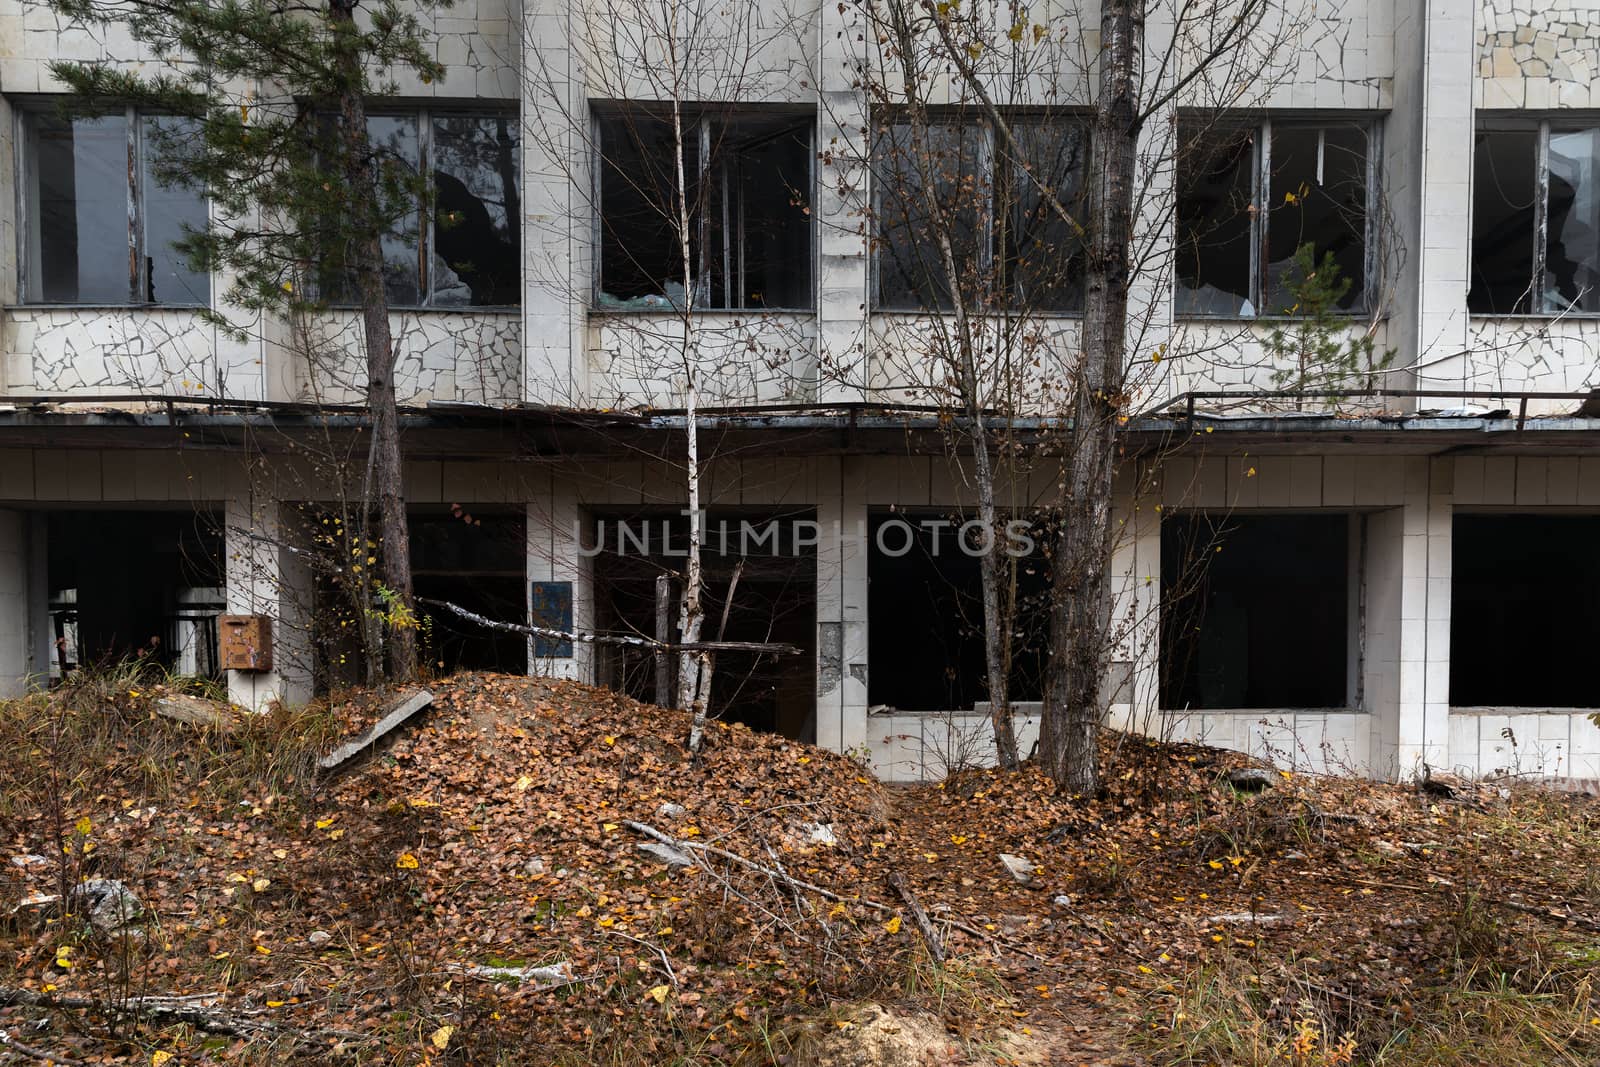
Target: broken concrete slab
(667,854)
(194,711)
(1250,779)
(1021,870)
(386,725)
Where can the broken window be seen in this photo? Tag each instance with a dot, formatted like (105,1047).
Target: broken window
(1011,246)
(1523,628)
(1536,219)
(461,247)
(99,227)
(1255,611)
(925,612)
(1504,201)
(1250,197)
(747,193)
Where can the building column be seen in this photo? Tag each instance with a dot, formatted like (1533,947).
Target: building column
(266,577)
(17,626)
(1423,720)
(558,571)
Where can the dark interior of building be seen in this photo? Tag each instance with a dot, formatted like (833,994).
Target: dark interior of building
(1255,611)
(925,615)
(1523,624)
(134,583)
(775,601)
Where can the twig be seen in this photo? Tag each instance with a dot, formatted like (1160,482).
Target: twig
(930,936)
(9,1042)
(657,949)
(811,887)
(181,1010)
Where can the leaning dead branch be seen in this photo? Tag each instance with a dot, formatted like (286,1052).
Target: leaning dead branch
(775,647)
(191,1011)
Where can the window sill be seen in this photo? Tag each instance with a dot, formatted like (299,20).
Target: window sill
(415,309)
(677,313)
(1070,316)
(1517,709)
(1528,316)
(1264,713)
(106,307)
(1238,320)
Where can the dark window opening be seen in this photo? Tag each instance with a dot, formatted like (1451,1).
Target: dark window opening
(479,562)
(1515,203)
(774,601)
(1011,247)
(155,597)
(1318,194)
(1215,209)
(1572,234)
(475,560)
(83,245)
(925,613)
(747,189)
(1504,202)
(1523,629)
(1250,197)
(460,244)
(1254,611)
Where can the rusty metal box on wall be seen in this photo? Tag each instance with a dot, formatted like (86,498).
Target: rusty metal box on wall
(245,642)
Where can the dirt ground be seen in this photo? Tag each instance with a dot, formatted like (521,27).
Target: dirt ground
(475,892)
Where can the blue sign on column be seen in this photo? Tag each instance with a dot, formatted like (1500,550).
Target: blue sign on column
(551,607)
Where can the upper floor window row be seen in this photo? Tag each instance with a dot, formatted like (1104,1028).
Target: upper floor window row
(1255,200)
(1535,219)
(718,203)
(991,199)
(97,226)
(100,228)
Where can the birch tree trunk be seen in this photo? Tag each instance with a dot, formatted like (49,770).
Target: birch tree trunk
(997,659)
(384,454)
(1081,615)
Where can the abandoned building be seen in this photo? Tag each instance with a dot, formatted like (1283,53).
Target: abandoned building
(1367,576)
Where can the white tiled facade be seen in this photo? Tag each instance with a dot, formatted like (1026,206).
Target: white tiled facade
(1428,72)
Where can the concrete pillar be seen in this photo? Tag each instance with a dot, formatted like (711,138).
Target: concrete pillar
(1423,726)
(16,666)
(555,534)
(842,190)
(266,577)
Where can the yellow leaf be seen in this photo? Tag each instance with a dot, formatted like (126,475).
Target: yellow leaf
(523,783)
(419,802)
(609,827)
(264,950)
(323,824)
(664,931)
(1215,865)
(280,853)
(158,1057)
(406,862)
(607,923)
(893,925)
(610,740)
(659,993)
(274,1003)
(83,825)
(260,885)
(334,835)
(441,1037)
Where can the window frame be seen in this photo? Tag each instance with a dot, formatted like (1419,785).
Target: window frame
(1261,205)
(26,110)
(989,231)
(423,116)
(701,116)
(1541,126)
